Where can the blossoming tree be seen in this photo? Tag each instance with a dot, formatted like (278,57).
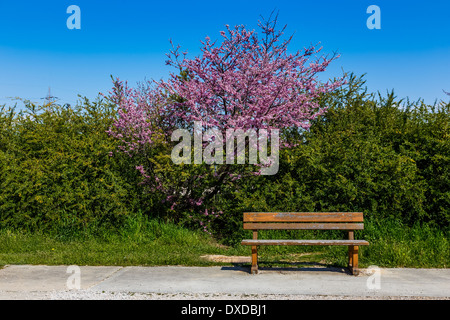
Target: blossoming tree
(247,81)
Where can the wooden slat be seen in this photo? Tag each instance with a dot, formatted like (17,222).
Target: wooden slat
(303,217)
(305,242)
(303,226)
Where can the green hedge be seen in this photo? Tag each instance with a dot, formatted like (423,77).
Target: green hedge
(56,172)
(386,157)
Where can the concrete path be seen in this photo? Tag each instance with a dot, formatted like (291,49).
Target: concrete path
(176,282)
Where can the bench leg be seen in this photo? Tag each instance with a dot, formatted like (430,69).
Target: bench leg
(254,269)
(350,256)
(353,259)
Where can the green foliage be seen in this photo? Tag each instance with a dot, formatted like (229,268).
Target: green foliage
(386,157)
(61,191)
(389,159)
(56,171)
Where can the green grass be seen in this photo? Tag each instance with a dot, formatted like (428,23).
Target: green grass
(141,241)
(392,244)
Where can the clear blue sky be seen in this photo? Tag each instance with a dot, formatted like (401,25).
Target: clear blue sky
(129,39)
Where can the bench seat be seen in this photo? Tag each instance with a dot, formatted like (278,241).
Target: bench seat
(288,242)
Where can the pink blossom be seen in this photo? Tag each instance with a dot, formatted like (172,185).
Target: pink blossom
(247,81)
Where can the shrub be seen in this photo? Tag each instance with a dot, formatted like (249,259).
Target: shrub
(56,171)
(385,157)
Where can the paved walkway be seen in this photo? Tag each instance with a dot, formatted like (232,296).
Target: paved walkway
(175,282)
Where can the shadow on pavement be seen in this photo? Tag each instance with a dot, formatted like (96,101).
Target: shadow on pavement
(292,267)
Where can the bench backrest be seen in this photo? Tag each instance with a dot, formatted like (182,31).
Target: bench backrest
(303,220)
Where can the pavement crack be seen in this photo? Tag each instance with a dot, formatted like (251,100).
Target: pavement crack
(106,278)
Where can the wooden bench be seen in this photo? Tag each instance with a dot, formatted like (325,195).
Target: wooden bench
(348,221)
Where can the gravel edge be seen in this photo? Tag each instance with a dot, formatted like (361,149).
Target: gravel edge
(103,295)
